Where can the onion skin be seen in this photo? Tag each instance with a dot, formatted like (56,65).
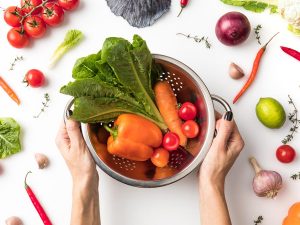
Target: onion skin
(233,28)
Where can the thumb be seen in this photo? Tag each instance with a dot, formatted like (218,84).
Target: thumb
(225,128)
(74,132)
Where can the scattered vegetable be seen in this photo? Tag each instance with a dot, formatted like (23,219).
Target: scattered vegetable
(258,220)
(293,217)
(293,118)
(127,140)
(12,65)
(171,141)
(233,28)
(52,14)
(13,16)
(31,6)
(257,34)
(160,157)
(45,104)
(14,220)
(72,39)
(42,160)
(292,52)
(296,176)
(285,154)
(198,39)
(9,137)
(187,111)
(17,37)
(36,203)
(35,78)
(69,5)
(167,104)
(235,72)
(9,91)
(254,71)
(266,183)
(34,26)
(190,129)
(183,4)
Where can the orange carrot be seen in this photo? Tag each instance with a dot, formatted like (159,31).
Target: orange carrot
(167,104)
(9,91)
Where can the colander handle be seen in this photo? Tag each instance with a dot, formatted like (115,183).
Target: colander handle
(67,110)
(222,102)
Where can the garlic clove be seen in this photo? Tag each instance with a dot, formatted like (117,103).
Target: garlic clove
(42,160)
(14,220)
(235,72)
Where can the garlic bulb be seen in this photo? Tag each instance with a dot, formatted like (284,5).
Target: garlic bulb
(266,183)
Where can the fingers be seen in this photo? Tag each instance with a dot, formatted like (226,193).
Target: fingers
(62,138)
(225,128)
(74,132)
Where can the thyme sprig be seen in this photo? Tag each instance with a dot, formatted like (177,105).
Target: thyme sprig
(296,176)
(257,34)
(198,39)
(293,117)
(12,65)
(45,104)
(258,220)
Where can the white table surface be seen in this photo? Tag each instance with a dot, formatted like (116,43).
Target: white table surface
(175,204)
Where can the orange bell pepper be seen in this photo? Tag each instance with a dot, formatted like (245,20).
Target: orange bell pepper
(293,217)
(133,137)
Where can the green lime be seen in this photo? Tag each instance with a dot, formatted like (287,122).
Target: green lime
(270,113)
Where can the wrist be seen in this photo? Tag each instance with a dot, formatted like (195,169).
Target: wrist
(208,184)
(88,182)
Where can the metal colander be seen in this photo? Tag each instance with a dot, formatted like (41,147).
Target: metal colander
(187,86)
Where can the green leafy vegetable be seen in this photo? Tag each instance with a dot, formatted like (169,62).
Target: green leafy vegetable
(9,137)
(72,38)
(118,79)
(254,6)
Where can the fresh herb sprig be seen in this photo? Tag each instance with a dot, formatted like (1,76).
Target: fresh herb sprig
(45,104)
(296,176)
(257,33)
(198,39)
(12,65)
(293,117)
(258,220)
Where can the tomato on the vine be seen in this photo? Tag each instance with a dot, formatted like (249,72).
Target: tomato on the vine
(171,141)
(34,26)
(52,14)
(160,157)
(285,154)
(28,5)
(17,38)
(69,4)
(35,78)
(13,16)
(187,111)
(190,129)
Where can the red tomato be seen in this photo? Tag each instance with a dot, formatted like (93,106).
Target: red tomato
(69,4)
(171,141)
(34,26)
(160,157)
(190,129)
(285,154)
(13,16)
(35,78)
(187,111)
(28,5)
(52,14)
(17,38)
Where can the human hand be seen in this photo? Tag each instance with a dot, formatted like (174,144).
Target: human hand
(223,152)
(72,146)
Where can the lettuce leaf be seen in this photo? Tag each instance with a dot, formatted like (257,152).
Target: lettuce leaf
(254,6)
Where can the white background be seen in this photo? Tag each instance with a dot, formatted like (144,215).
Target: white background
(176,204)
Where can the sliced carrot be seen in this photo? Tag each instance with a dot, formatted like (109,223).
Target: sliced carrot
(167,104)
(9,91)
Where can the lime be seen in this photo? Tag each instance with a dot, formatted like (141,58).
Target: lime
(270,113)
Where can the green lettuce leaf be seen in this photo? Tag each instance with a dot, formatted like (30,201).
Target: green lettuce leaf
(9,137)
(254,6)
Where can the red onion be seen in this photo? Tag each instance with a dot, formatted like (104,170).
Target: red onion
(233,28)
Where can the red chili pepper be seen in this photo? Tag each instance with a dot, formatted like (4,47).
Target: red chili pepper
(183,4)
(292,52)
(36,203)
(255,67)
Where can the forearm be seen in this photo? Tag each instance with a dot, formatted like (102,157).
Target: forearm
(85,204)
(213,207)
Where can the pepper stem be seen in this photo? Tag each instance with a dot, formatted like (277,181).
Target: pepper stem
(270,40)
(112,131)
(255,165)
(25,180)
(180,12)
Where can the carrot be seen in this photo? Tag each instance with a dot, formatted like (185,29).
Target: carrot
(167,104)
(9,91)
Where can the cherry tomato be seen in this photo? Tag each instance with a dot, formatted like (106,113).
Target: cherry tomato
(160,157)
(187,111)
(52,14)
(69,4)
(28,5)
(171,141)
(17,38)
(34,26)
(190,129)
(285,153)
(13,16)
(35,78)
